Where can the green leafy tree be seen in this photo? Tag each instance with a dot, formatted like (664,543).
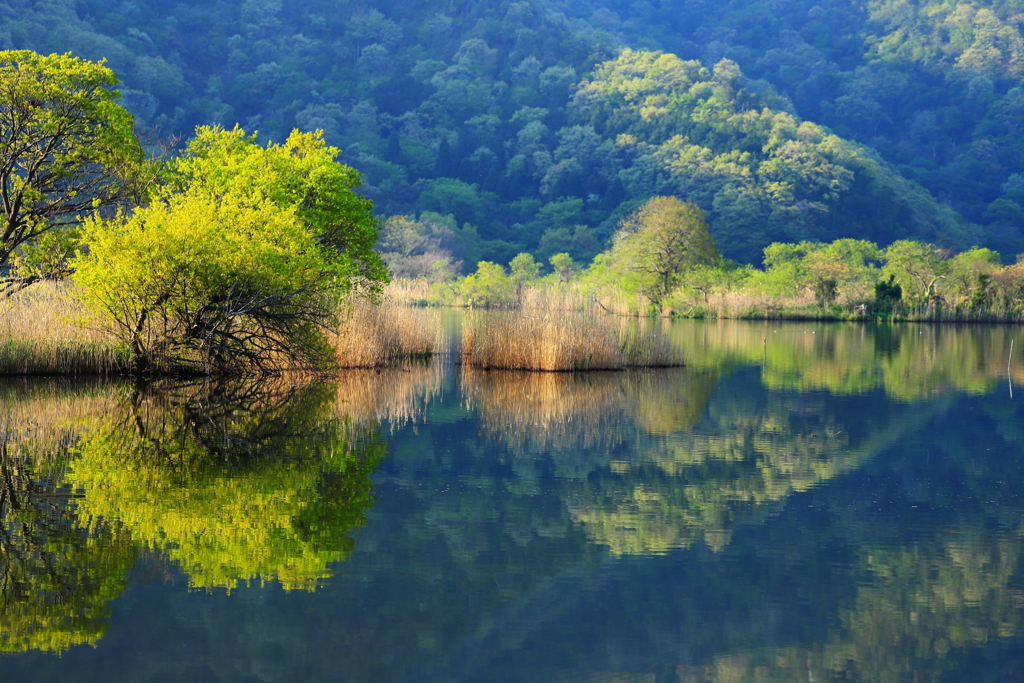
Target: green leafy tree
(971,278)
(919,268)
(488,287)
(66,149)
(301,174)
(190,285)
(563,265)
(845,266)
(659,242)
(888,293)
(234,267)
(419,248)
(524,271)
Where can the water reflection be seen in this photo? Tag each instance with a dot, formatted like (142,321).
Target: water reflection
(234,482)
(536,412)
(654,461)
(398,395)
(710,523)
(56,578)
(909,361)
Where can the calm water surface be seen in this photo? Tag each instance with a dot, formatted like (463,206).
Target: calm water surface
(801,503)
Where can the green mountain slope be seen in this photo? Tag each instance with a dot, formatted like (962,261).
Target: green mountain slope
(498,114)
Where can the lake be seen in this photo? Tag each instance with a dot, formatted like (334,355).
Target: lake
(801,502)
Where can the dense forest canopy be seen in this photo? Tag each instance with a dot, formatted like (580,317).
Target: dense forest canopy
(535,126)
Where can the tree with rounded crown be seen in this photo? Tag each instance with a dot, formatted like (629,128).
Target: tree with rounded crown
(66,149)
(659,242)
(237,262)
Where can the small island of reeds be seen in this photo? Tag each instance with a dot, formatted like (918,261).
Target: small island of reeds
(561,341)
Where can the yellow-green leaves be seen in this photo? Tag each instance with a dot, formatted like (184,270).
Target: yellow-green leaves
(185,281)
(233,265)
(236,483)
(66,148)
(302,174)
(657,244)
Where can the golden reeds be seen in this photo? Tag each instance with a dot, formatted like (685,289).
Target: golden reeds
(373,335)
(39,336)
(566,341)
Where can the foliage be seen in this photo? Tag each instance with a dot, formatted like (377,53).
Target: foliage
(490,286)
(487,112)
(301,174)
(57,577)
(192,285)
(423,248)
(887,294)
(658,243)
(845,265)
(562,265)
(234,265)
(66,148)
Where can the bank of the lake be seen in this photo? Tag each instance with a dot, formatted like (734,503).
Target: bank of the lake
(43,332)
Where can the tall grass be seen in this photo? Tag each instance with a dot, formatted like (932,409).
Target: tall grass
(521,340)
(375,335)
(39,335)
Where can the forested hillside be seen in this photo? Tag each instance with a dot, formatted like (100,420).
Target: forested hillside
(537,125)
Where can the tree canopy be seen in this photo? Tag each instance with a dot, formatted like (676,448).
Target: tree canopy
(235,263)
(882,120)
(658,243)
(67,148)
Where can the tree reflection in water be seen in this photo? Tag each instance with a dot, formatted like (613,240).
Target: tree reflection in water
(244,482)
(235,482)
(56,577)
(678,525)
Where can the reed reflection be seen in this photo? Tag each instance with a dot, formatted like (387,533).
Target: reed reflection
(540,411)
(396,394)
(659,460)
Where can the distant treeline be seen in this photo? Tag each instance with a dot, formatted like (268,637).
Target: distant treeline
(527,124)
(663,262)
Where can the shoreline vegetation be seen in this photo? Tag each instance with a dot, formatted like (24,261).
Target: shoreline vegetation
(847,280)
(553,342)
(238,258)
(663,262)
(45,331)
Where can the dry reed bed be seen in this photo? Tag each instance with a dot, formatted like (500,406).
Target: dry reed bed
(373,335)
(42,333)
(573,341)
(39,336)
